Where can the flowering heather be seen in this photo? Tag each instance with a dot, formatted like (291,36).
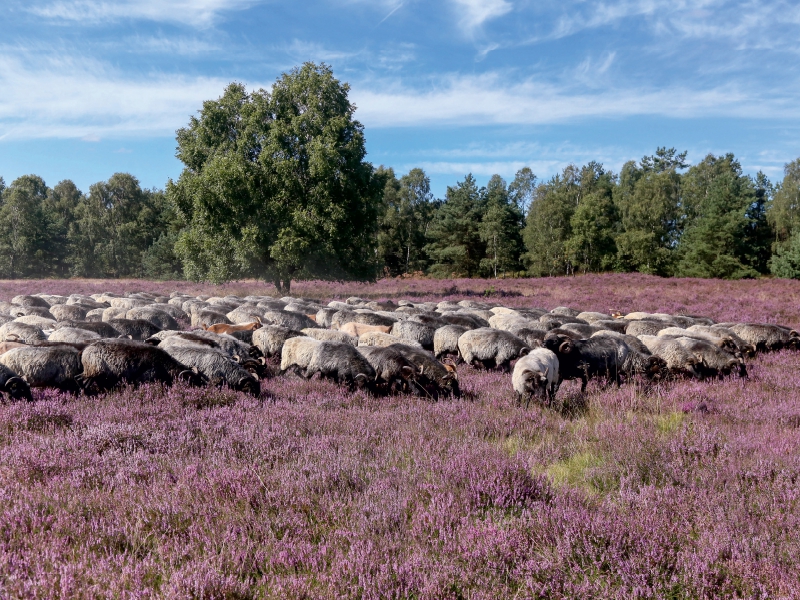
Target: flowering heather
(682,490)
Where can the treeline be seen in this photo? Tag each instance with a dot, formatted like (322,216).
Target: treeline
(658,215)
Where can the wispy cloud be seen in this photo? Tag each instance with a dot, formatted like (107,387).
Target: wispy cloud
(474,13)
(198,13)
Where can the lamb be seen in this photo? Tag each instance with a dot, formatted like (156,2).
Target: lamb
(108,363)
(46,366)
(486,347)
(342,363)
(217,367)
(536,375)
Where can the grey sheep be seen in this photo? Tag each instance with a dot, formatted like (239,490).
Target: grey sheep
(296,354)
(227,343)
(246,314)
(413,331)
(73,335)
(536,375)
(136,329)
(269,339)
(714,360)
(342,363)
(330,335)
(434,379)
(618,325)
(153,315)
(592,317)
(108,363)
(46,366)
(290,320)
(24,300)
(95,315)
(371,318)
(36,321)
(104,330)
(217,367)
(585,331)
(381,339)
(634,343)
(766,337)
(679,360)
(324,316)
(33,311)
(393,371)
(20,332)
(13,385)
(719,340)
(205,317)
(445,341)
(638,328)
(565,311)
(68,312)
(486,347)
(114,312)
(745,348)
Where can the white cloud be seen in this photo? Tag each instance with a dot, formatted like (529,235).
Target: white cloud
(474,13)
(198,13)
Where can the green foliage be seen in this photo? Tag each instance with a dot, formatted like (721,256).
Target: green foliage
(717,198)
(784,212)
(455,246)
(405,214)
(500,230)
(522,190)
(276,185)
(786,261)
(24,228)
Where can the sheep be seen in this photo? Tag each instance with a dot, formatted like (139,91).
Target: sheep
(536,375)
(432,319)
(152,315)
(380,339)
(20,332)
(95,315)
(37,321)
(24,300)
(633,342)
(330,335)
(228,344)
(715,361)
(209,316)
(343,363)
(73,335)
(445,341)
(6,346)
(296,354)
(719,340)
(247,313)
(679,360)
(217,367)
(24,311)
(434,378)
(108,363)
(618,325)
(584,359)
(585,331)
(415,332)
(372,318)
(136,329)
(742,346)
(113,312)
(290,320)
(640,327)
(104,330)
(565,311)
(393,371)
(13,385)
(55,366)
(486,347)
(128,303)
(592,317)
(324,316)
(533,338)
(231,329)
(766,337)
(68,312)
(357,329)
(270,339)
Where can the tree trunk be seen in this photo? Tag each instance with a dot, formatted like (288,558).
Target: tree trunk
(282,285)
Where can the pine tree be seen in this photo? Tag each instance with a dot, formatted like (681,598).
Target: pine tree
(500,230)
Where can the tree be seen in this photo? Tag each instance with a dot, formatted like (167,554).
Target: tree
(522,190)
(405,215)
(758,235)
(784,213)
(717,198)
(500,230)
(23,228)
(276,184)
(59,212)
(455,244)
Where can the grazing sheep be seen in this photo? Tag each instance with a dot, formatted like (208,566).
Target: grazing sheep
(432,319)
(413,331)
(592,317)
(715,361)
(330,335)
(633,342)
(128,303)
(24,300)
(487,348)
(247,313)
(506,322)
(536,375)
(533,338)
(290,320)
(14,386)
(470,321)
(73,335)
(104,330)
(445,341)
(136,329)
(108,363)
(46,366)
(324,316)
(231,329)
(382,340)
(227,343)
(37,321)
(209,316)
(6,346)
(679,360)
(766,337)
(270,339)
(584,359)
(565,311)
(638,328)
(356,329)
(296,354)
(745,348)
(342,363)
(393,371)
(217,367)
(618,325)
(114,312)
(585,331)
(153,315)
(14,331)
(719,340)
(434,379)
(68,312)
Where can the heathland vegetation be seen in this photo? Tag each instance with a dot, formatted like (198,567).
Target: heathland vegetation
(276,186)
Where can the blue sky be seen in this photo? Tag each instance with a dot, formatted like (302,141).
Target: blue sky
(92,87)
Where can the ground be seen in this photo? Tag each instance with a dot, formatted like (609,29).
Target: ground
(687,489)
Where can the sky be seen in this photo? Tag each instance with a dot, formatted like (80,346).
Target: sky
(93,87)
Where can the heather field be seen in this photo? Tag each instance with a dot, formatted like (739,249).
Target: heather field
(682,490)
